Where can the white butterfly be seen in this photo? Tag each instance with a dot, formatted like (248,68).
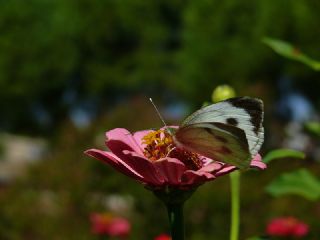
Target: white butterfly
(230,131)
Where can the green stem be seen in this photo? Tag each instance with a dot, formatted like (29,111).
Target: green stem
(235,204)
(175,212)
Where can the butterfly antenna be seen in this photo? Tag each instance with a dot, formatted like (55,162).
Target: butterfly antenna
(164,123)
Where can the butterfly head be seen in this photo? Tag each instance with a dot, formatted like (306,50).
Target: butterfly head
(160,144)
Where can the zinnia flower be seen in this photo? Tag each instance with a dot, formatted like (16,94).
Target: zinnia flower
(163,237)
(152,158)
(106,224)
(286,227)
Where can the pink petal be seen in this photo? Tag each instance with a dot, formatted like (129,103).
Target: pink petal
(115,162)
(171,169)
(206,161)
(257,162)
(300,230)
(225,169)
(163,237)
(119,227)
(145,168)
(196,177)
(211,167)
(120,139)
(139,135)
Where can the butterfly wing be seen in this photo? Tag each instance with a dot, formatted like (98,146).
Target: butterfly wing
(218,141)
(242,112)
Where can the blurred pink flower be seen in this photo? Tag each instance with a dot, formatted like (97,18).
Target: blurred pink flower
(163,237)
(151,157)
(106,224)
(286,227)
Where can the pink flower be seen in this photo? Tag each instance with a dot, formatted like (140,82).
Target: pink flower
(106,224)
(287,226)
(152,158)
(163,237)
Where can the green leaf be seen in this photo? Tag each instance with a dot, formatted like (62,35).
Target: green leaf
(300,182)
(289,51)
(282,153)
(313,128)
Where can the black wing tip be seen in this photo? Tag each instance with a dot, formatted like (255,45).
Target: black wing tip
(253,106)
(245,99)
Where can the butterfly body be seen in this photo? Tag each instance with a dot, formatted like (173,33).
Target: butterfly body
(230,131)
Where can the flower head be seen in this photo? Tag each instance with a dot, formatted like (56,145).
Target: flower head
(152,158)
(286,227)
(222,92)
(106,224)
(163,237)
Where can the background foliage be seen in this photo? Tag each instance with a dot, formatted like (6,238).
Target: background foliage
(97,50)
(99,57)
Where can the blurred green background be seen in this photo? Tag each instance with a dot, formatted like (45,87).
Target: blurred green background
(71,70)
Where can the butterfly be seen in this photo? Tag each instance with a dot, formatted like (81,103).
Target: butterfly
(229,131)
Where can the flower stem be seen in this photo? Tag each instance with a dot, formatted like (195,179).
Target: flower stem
(175,213)
(235,204)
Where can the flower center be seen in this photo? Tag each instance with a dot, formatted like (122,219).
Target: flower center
(160,144)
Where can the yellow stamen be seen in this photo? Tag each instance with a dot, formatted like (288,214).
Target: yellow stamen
(160,144)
